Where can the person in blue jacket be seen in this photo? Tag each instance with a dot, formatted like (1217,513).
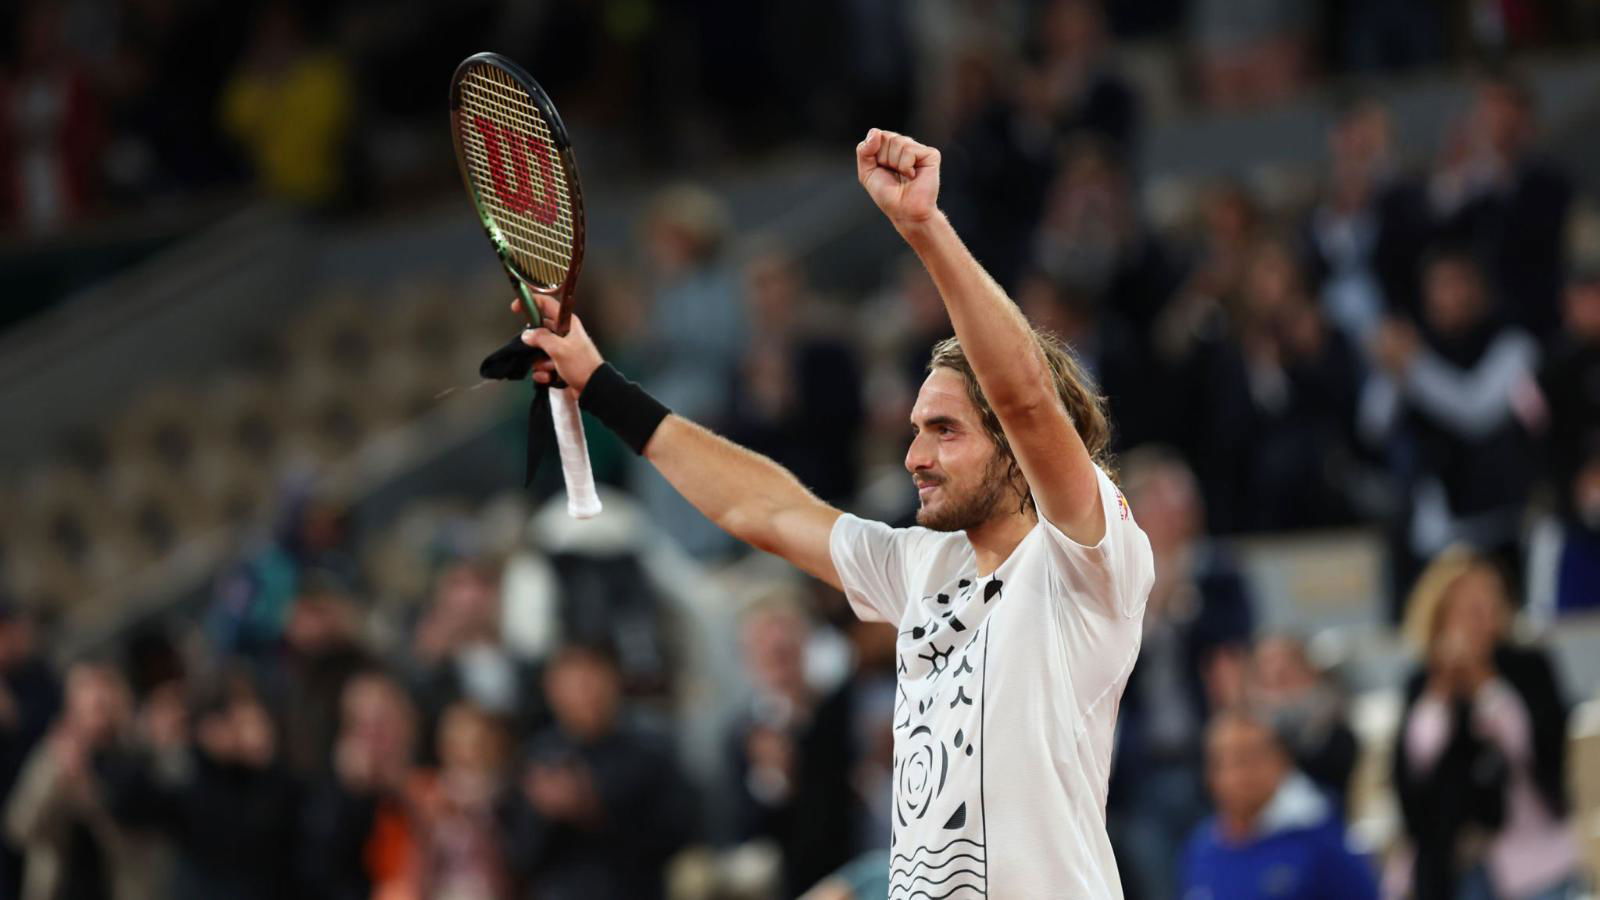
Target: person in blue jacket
(1274,834)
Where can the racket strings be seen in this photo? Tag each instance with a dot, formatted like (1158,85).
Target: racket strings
(539,243)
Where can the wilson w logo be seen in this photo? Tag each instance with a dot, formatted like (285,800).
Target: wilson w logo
(502,141)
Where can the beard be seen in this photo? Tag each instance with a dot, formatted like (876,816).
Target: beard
(973,508)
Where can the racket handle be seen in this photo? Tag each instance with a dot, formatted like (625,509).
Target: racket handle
(582,500)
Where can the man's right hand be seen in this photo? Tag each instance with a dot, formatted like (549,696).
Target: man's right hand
(573,356)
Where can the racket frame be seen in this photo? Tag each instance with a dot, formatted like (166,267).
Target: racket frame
(520,282)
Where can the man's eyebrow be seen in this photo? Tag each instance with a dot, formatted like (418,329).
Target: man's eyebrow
(935,421)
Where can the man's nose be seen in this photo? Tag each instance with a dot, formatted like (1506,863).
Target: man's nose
(918,457)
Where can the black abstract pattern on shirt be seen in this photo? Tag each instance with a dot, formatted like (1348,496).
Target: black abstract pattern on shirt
(939,850)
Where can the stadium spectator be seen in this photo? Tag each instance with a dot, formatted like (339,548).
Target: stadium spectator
(222,795)
(457,653)
(1105,346)
(1076,73)
(59,811)
(1303,379)
(289,106)
(1251,53)
(357,828)
(30,696)
(602,805)
(306,680)
(1480,762)
(690,351)
(1570,382)
(52,128)
(1274,833)
(1208,387)
(1494,193)
(1197,630)
(1002,162)
(1306,711)
(1464,396)
(1094,240)
(797,394)
(461,856)
(800,758)
(1361,235)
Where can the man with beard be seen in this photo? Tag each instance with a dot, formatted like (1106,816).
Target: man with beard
(1018,600)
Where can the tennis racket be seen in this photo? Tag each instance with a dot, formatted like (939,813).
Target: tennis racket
(517,162)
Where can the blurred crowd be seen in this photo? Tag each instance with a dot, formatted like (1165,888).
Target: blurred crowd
(519,729)
(1414,349)
(119,106)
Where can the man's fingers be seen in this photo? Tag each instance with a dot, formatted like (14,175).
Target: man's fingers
(868,148)
(906,158)
(540,337)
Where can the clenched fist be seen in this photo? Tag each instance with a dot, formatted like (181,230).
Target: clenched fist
(900,175)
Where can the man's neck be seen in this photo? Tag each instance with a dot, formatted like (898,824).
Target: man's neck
(993,541)
(1237,829)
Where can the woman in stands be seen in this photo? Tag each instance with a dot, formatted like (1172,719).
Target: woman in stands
(1480,762)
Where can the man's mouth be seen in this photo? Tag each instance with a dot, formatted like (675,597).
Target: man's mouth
(926,487)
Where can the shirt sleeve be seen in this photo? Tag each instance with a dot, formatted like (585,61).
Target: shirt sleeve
(873,560)
(1114,575)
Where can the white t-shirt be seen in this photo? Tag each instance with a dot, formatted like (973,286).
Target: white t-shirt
(1007,697)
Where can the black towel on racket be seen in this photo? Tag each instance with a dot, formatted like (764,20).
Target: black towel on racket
(513,362)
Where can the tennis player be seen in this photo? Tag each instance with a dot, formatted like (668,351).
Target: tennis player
(1018,600)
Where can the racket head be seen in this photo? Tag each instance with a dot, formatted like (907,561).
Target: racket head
(516,160)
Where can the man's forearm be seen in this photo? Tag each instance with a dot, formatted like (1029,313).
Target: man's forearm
(737,489)
(994,334)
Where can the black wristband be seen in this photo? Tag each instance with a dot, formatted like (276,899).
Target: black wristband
(622,406)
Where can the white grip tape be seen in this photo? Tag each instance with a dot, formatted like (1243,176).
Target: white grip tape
(582,501)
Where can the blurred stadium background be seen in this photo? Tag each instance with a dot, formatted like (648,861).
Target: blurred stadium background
(1336,265)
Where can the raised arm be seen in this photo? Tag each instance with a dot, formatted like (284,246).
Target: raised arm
(746,494)
(902,177)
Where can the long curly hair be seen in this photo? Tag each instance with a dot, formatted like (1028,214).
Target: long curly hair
(1085,405)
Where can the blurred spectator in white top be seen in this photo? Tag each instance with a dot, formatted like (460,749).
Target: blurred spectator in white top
(1346,227)
(1463,395)
(458,653)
